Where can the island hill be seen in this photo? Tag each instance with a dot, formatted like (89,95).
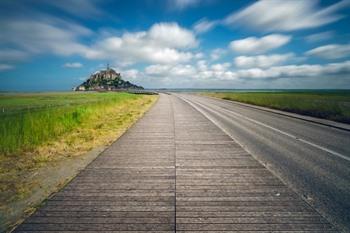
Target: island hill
(106,80)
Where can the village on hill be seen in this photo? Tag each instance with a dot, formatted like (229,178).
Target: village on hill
(106,80)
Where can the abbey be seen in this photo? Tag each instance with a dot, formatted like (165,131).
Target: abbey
(106,80)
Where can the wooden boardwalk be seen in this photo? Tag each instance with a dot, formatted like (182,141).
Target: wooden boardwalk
(175,170)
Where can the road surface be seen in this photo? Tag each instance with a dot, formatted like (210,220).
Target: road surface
(177,170)
(311,158)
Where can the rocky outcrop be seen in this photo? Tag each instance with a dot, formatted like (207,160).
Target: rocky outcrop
(106,80)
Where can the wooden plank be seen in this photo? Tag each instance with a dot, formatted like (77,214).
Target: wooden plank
(99,219)
(129,187)
(222,188)
(174,170)
(319,227)
(106,214)
(96,227)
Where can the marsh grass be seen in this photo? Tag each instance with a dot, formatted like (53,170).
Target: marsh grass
(33,137)
(328,105)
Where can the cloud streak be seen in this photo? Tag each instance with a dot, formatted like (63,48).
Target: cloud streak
(34,36)
(4,67)
(254,45)
(12,55)
(317,37)
(296,71)
(331,51)
(185,4)
(204,25)
(81,8)
(286,15)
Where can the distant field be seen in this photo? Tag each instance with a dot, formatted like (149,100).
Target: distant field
(331,105)
(15,103)
(38,128)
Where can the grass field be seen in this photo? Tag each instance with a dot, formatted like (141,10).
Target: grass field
(331,105)
(36,129)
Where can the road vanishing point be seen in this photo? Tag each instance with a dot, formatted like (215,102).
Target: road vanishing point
(198,164)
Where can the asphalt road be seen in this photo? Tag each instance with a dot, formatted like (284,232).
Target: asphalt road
(312,159)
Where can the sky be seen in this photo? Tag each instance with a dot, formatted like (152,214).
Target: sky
(271,44)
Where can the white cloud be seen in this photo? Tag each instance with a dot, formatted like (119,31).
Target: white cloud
(162,43)
(172,35)
(220,66)
(4,67)
(130,74)
(171,70)
(73,65)
(317,37)
(262,61)
(199,55)
(134,48)
(183,70)
(223,71)
(157,69)
(202,65)
(286,15)
(256,45)
(296,71)
(200,71)
(204,25)
(331,51)
(217,53)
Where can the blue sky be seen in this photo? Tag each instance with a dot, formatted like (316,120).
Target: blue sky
(56,45)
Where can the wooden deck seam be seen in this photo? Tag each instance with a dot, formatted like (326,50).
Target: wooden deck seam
(174,135)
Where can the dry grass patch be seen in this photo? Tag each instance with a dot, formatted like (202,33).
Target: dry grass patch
(99,124)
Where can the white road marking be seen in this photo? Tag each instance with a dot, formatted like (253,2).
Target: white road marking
(269,127)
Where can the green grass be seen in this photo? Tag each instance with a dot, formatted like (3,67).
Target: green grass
(328,105)
(28,120)
(12,103)
(39,129)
